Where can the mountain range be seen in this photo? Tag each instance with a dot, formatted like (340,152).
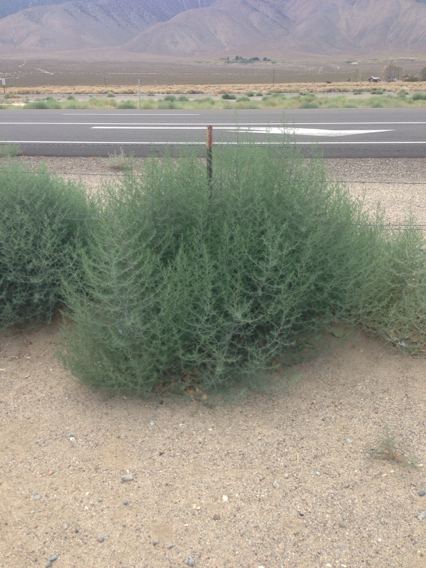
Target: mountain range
(216,28)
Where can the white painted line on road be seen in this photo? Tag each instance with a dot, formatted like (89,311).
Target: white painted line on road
(169,143)
(288,131)
(126,114)
(308,131)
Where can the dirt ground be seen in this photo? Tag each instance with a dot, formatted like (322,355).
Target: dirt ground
(282,480)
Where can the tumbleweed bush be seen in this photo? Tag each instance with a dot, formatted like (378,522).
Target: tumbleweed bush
(191,284)
(41,220)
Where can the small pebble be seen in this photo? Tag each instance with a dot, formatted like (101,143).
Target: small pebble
(155,542)
(286,476)
(250,543)
(422,516)
(276,485)
(170,546)
(190,561)
(127,477)
(152,423)
(101,538)
(72,439)
(318,472)
(216,517)
(36,497)
(53,558)
(65,527)
(422,493)
(346,485)
(48,564)
(225,498)
(349,440)
(126,503)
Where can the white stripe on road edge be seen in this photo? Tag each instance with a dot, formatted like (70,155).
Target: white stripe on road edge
(307,131)
(289,131)
(125,114)
(168,143)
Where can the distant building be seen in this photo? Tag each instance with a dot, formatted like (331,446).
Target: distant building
(374,80)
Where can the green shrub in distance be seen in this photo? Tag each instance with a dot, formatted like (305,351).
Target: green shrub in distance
(308,104)
(243,99)
(250,94)
(403,92)
(37,105)
(419,97)
(41,223)
(70,98)
(183,99)
(170,98)
(228,97)
(126,105)
(110,95)
(166,104)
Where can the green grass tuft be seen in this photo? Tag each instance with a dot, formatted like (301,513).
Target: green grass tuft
(9,150)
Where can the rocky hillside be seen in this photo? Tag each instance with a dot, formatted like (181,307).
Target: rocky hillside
(82,25)
(187,28)
(276,27)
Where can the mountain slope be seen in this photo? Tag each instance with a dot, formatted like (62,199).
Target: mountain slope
(79,25)
(187,28)
(8,7)
(274,27)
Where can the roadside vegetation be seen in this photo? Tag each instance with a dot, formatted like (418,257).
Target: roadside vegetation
(282,96)
(377,98)
(174,283)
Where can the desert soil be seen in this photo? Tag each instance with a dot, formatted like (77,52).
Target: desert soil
(271,480)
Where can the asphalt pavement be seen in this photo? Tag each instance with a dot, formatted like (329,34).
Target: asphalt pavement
(337,133)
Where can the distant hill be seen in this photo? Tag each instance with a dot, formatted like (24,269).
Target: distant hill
(276,27)
(8,7)
(188,28)
(82,25)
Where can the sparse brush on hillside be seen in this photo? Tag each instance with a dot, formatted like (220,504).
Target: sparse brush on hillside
(191,285)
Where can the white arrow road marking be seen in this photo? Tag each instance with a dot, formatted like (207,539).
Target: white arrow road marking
(308,131)
(291,131)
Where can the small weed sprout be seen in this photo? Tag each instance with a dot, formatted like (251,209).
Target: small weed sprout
(387,448)
(120,162)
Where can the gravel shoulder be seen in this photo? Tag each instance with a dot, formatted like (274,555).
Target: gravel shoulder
(301,489)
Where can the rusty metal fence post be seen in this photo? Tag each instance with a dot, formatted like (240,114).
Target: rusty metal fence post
(210,154)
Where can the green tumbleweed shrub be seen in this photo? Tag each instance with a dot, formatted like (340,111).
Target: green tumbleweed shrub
(41,221)
(188,282)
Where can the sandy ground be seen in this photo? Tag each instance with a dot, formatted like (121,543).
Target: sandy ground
(272,480)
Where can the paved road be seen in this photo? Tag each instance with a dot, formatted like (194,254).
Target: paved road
(338,133)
